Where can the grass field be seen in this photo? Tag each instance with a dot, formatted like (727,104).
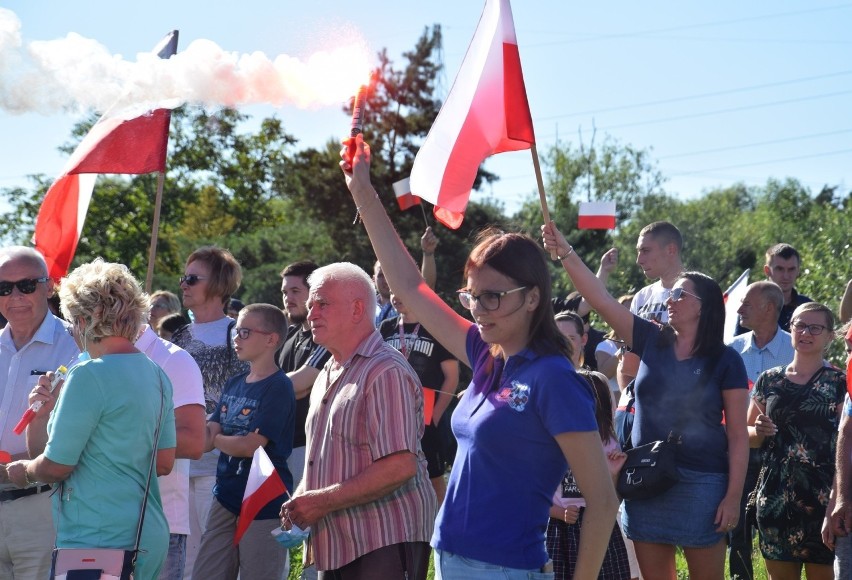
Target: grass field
(682,573)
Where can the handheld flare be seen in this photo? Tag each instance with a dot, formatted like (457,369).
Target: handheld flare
(357,121)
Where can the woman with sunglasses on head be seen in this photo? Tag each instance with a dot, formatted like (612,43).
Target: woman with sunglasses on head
(211,276)
(525,412)
(687,378)
(793,417)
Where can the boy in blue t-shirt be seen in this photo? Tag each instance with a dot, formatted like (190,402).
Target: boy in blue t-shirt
(257,409)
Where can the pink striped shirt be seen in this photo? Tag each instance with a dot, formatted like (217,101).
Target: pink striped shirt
(369,410)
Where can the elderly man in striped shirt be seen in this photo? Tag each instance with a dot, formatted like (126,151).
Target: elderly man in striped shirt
(366,493)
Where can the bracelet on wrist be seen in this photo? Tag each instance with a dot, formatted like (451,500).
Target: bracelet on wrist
(27,477)
(568,253)
(359,208)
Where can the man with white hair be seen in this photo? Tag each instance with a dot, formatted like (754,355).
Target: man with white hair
(366,493)
(33,342)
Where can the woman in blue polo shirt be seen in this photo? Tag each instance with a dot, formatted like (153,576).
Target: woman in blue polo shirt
(523,415)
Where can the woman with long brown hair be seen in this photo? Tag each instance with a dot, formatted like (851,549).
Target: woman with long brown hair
(524,414)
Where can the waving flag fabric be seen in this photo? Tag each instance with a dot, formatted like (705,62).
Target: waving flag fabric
(263,485)
(486,112)
(733,299)
(115,144)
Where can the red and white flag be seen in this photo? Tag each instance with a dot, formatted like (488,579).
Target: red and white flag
(118,143)
(404,197)
(486,112)
(263,486)
(733,299)
(596,215)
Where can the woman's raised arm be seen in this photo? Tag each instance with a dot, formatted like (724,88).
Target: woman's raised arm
(401,272)
(619,318)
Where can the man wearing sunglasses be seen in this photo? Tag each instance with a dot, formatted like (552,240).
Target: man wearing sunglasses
(33,342)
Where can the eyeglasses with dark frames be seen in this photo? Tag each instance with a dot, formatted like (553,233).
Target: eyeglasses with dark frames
(244,333)
(813,329)
(677,294)
(26,286)
(191,279)
(488,300)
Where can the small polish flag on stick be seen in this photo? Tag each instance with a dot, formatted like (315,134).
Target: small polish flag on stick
(404,197)
(596,215)
(263,486)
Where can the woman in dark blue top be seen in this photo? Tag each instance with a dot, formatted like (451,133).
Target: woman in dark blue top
(672,394)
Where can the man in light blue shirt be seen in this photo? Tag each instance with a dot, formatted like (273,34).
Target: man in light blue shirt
(764,347)
(33,342)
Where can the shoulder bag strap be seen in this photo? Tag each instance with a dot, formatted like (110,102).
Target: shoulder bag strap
(151,467)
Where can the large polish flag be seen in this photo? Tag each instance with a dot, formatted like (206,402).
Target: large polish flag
(486,112)
(264,485)
(733,300)
(596,215)
(117,143)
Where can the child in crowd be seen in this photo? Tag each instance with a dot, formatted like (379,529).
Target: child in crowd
(566,513)
(169,323)
(257,409)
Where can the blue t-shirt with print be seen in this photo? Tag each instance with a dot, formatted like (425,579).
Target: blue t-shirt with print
(508,462)
(267,407)
(666,399)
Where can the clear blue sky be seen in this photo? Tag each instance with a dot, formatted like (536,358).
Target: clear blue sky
(722,92)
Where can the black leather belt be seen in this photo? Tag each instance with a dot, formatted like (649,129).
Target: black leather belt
(11,495)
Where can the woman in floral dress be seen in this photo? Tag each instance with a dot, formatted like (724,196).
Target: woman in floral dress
(794,415)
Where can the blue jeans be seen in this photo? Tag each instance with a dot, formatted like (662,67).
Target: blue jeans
(843,558)
(175,559)
(449,566)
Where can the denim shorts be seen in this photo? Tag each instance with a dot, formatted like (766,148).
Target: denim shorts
(449,566)
(682,516)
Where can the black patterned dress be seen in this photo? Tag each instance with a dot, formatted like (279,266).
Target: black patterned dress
(799,461)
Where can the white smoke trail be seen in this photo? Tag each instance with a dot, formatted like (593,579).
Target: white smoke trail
(78,74)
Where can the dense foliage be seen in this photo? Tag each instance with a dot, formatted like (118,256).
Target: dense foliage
(271,202)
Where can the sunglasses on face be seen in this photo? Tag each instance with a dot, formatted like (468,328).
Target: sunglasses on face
(27,286)
(244,333)
(677,294)
(488,300)
(191,279)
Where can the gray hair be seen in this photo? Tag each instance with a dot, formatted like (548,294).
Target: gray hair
(772,293)
(24,254)
(358,282)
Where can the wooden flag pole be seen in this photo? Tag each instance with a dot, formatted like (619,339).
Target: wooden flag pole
(541,196)
(155,228)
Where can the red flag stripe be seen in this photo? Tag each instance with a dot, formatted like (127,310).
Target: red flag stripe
(271,489)
(596,222)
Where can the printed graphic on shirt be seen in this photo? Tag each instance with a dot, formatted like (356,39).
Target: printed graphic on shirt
(236,414)
(655,311)
(569,486)
(515,395)
(413,343)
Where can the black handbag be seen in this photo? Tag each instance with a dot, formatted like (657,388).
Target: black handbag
(649,470)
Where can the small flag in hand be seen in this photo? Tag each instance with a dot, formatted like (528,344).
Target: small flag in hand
(263,486)
(596,215)
(404,197)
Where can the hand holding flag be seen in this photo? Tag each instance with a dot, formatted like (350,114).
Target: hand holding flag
(263,485)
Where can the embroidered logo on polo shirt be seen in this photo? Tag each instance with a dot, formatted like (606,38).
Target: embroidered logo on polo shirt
(517,395)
